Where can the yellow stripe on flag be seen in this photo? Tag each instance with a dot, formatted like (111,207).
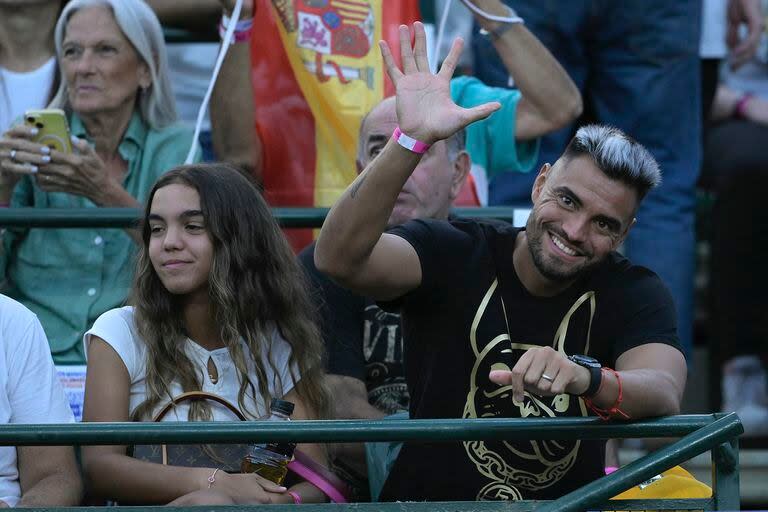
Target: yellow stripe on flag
(337,104)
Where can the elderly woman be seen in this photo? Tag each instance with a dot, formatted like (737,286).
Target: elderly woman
(121,114)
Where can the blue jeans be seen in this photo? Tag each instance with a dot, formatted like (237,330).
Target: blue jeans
(206,144)
(636,63)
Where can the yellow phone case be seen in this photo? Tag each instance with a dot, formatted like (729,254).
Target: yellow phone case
(53,130)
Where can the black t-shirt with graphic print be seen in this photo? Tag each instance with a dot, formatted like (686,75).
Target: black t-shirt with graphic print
(362,340)
(455,333)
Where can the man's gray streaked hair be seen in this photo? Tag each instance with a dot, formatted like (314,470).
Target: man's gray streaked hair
(142,28)
(618,155)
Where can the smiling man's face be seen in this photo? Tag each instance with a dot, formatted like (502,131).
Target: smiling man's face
(579,216)
(431,189)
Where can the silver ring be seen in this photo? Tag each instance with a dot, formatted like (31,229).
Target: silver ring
(547,377)
(13,154)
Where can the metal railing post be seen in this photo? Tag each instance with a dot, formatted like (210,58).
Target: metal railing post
(600,491)
(725,475)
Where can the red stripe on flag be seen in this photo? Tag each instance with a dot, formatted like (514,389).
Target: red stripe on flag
(406,12)
(284,122)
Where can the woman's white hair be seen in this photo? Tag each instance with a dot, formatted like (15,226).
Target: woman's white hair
(142,28)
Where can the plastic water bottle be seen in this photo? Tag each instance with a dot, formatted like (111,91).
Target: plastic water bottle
(270,460)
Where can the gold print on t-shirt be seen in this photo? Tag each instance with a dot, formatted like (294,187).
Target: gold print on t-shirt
(523,465)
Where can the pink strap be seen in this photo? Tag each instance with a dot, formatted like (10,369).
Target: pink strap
(409,143)
(295,496)
(329,483)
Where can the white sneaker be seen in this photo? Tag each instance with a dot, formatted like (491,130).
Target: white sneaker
(745,391)
(755,420)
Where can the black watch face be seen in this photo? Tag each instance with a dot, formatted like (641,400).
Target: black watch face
(585,360)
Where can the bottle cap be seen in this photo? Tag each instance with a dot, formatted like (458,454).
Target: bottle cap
(282,406)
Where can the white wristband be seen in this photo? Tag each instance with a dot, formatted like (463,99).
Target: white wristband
(512,18)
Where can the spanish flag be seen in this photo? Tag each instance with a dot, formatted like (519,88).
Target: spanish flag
(317,70)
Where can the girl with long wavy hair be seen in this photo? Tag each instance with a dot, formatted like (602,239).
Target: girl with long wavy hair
(219,305)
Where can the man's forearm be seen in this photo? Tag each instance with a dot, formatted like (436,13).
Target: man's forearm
(58,489)
(359,217)
(645,393)
(357,408)
(542,81)
(233,117)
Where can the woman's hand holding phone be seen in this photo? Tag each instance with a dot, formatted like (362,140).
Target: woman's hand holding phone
(19,156)
(81,172)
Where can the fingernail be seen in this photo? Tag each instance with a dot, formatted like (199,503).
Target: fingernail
(33,168)
(46,159)
(45,150)
(33,131)
(75,139)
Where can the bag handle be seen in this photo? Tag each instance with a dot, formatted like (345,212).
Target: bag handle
(197,395)
(314,473)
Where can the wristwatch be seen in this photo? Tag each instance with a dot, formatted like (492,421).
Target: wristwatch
(595,375)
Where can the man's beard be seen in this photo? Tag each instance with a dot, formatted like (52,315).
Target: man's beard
(549,267)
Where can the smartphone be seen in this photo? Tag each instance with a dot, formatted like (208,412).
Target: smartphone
(53,130)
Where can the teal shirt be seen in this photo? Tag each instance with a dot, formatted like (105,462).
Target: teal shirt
(491,142)
(68,277)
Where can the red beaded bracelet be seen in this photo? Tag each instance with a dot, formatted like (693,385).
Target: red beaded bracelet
(606,414)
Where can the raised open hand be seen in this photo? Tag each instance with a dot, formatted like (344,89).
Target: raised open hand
(425,110)
(748,12)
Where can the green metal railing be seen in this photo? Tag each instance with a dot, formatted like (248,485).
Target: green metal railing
(699,433)
(716,432)
(127,217)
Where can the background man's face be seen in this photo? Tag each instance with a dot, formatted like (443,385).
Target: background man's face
(428,192)
(579,216)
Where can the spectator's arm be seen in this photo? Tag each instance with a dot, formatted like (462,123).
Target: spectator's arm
(196,15)
(653,380)
(351,402)
(308,492)
(352,247)
(550,99)
(233,120)
(49,476)
(110,473)
(749,13)
(753,108)
(351,399)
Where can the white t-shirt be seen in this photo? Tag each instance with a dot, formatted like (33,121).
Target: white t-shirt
(713,28)
(117,328)
(22,91)
(30,391)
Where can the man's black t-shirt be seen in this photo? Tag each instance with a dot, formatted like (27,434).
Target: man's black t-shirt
(362,340)
(455,333)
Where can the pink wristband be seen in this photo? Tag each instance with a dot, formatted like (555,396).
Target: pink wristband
(295,496)
(243,29)
(741,106)
(410,143)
